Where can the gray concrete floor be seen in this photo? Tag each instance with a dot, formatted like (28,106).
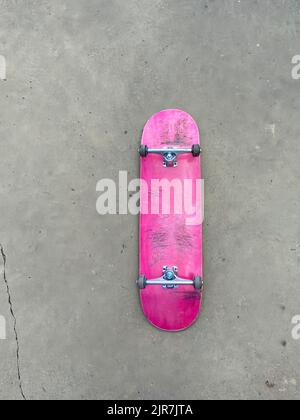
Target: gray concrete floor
(82,79)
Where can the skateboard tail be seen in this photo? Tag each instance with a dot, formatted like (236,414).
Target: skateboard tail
(173,324)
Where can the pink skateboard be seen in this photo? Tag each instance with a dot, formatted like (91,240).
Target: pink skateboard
(171,269)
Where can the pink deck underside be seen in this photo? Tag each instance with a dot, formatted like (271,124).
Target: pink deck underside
(168,239)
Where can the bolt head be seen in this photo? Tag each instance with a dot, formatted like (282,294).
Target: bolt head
(170,275)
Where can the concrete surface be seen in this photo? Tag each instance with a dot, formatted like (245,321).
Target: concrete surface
(82,79)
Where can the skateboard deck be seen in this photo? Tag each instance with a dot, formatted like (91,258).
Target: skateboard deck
(171,269)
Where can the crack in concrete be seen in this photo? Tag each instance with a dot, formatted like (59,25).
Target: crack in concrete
(11,307)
